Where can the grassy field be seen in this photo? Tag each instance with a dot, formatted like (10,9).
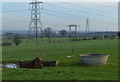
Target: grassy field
(68,68)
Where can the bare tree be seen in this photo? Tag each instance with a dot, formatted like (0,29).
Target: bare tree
(17,39)
(48,33)
(63,32)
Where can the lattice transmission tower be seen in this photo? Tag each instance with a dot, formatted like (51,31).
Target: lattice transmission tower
(87,27)
(73,31)
(73,35)
(35,26)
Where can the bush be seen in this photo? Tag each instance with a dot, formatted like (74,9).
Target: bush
(118,34)
(94,38)
(6,44)
(17,39)
(105,36)
(84,38)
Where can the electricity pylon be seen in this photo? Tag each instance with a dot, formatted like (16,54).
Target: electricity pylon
(73,31)
(35,26)
(87,27)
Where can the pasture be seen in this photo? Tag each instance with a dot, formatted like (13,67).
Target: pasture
(68,68)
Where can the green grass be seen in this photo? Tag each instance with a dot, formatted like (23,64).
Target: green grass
(68,68)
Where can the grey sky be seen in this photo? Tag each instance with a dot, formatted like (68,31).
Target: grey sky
(57,15)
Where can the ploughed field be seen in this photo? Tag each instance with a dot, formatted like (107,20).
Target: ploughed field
(69,68)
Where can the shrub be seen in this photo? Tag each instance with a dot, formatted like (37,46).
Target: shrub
(84,38)
(118,34)
(6,44)
(94,38)
(17,39)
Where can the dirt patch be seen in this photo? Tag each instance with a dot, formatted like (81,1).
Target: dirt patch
(37,63)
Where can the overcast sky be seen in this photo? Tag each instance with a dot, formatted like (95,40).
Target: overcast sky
(103,16)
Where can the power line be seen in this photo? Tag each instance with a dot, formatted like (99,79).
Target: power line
(99,11)
(83,17)
(98,14)
(68,15)
(64,15)
(10,11)
(59,15)
(72,15)
(106,5)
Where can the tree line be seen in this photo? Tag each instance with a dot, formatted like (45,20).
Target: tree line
(47,34)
